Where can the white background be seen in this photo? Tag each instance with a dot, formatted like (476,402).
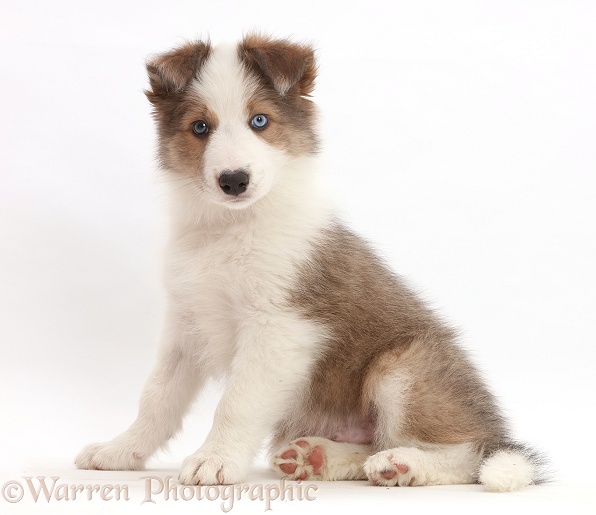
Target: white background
(460,140)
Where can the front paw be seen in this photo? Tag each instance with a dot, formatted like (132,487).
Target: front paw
(110,456)
(210,468)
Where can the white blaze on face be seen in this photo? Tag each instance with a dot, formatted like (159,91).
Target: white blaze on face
(225,88)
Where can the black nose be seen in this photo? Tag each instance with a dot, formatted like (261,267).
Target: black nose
(233,183)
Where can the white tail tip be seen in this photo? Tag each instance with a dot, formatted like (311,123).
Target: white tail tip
(506,471)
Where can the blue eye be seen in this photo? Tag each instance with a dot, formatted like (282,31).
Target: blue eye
(259,122)
(200,128)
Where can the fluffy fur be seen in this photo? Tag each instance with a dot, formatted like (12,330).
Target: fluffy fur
(321,345)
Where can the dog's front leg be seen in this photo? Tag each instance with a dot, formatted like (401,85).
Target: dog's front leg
(167,395)
(272,361)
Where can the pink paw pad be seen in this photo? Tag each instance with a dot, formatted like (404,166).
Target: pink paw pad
(388,473)
(316,459)
(402,468)
(295,460)
(289,468)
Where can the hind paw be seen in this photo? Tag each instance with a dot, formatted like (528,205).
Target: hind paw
(302,459)
(393,467)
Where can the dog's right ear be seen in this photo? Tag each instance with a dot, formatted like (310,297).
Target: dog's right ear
(173,71)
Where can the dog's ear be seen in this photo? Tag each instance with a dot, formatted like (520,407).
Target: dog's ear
(285,64)
(172,72)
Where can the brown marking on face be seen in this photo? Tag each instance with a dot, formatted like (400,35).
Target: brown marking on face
(285,72)
(186,148)
(181,150)
(175,108)
(288,129)
(379,327)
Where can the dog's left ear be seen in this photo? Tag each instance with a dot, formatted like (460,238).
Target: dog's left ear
(285,64)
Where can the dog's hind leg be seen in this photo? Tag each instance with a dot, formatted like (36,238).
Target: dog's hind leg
(318,458)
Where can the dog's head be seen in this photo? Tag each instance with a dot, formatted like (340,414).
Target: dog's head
(231,118)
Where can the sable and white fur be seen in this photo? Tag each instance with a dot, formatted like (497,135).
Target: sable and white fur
(322,346)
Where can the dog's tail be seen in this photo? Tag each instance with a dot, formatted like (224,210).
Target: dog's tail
(511,466)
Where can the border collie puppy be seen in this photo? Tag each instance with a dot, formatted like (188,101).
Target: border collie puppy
(321,345)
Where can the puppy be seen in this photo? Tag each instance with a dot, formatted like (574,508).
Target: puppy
(321,345)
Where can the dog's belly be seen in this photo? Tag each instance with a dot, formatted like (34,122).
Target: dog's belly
(362,433)
(306,422)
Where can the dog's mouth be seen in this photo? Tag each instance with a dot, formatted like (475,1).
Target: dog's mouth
(239,201)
